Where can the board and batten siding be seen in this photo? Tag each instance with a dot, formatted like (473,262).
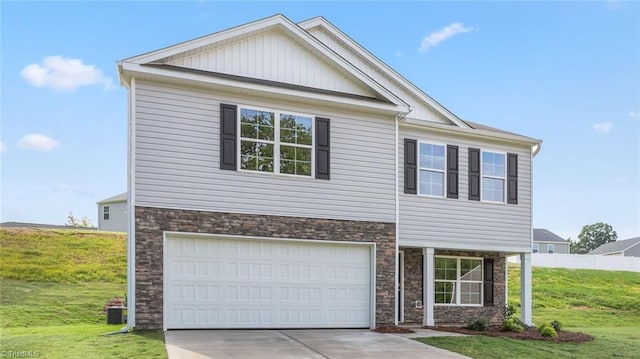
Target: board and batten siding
(419,110)
(118,217)
(461,223)
(177,162)
(270,56)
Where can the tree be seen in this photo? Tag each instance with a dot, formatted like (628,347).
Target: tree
(593,236)
(72,221)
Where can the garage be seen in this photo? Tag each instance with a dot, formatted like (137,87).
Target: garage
(247,282)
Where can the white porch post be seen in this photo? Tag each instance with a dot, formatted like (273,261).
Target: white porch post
(428,286)
(525,288)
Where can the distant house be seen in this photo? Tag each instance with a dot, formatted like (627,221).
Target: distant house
(112,213)
(545,241)
(628,247)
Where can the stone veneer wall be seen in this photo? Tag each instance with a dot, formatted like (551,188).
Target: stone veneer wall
(152,222)
(451,314)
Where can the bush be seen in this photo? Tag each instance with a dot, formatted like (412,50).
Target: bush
(512,325)
(546,330)
(478,325)
(556,325)
(508,311)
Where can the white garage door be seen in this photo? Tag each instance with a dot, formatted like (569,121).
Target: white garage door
(258,283)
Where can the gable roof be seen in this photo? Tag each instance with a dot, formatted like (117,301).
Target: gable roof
(617,246)
(279,22)
(122,197)
(545,235)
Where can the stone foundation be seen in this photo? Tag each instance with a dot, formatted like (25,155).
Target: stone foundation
(451,314)
(151,223)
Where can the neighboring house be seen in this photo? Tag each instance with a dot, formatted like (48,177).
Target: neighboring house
(282,176)
(113,213)
(545,241)
(628,247)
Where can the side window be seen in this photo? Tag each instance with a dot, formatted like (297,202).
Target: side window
(550,248)
(493,176)
(105,213)
(432,170)
(536,248)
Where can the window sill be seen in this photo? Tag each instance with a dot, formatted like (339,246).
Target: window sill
(459,305)
(276,175)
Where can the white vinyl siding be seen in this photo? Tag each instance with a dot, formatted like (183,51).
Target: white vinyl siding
(117,214)
(273,56)
(461,223)
(177,161)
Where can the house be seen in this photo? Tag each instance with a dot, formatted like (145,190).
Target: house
(628,247)
(113,213)
(282,176)
(545,241)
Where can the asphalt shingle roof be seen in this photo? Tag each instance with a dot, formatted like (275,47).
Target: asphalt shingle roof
(617,246)
(545,235)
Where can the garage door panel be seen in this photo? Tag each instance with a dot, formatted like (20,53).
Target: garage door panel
(248,283)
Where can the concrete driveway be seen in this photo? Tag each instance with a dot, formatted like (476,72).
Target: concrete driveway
(298,344)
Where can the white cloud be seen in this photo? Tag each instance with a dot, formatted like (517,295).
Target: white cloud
(38,142)
(602,127)
(3,148)
(63,74)
(435,38)
(634,114)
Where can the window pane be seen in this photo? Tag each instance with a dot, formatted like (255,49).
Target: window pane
(296,129)
(492,189)
(535,248)
(446,268)
(431,183)
(257,124)
(256,156)
(470,293)
(493,164)
(471,269)
(445,293)
(431,156)
(295,160)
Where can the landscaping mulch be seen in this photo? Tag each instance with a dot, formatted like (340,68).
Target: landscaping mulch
(393,329)
(528,334)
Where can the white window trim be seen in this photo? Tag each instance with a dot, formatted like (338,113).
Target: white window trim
(106,210)
(443,171)
(276,143)
(536,248)
(551,247)
(458,281)
(504,179)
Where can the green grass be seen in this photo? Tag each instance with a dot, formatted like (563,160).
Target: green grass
(605,304)
(53,286)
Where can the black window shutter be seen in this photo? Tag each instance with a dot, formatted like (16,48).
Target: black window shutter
(410,166)
(474,174)
(512,178)
(323,155)
(488,282)
(228,137)
(452,171)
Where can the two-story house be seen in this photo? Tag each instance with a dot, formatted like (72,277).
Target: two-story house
(282,176)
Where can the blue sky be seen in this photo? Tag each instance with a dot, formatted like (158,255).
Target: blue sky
(567,73)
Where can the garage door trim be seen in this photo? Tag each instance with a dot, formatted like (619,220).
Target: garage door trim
(177,234)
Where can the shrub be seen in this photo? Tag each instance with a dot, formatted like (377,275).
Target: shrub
(546,330)
(508,311)
(478,325)
(512,325)
(556,325)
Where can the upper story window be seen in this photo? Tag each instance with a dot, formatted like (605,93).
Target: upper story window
(493,176)
(458,281)
(536,248)
(432,170)
(550,248)
(276,142)
(105,213)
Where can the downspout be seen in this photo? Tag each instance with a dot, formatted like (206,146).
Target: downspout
(131,236)
(396,132)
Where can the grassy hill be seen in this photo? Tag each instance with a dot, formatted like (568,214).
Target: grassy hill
(54,284)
